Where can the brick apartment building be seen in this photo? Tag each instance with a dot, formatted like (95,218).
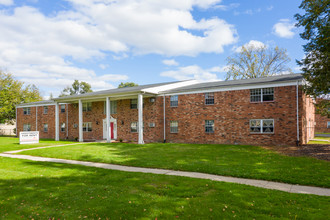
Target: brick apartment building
(263,111)
(322,123)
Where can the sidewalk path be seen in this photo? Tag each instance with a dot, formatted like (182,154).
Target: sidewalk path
(252,182)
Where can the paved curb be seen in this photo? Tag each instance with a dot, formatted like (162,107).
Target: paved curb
(252,182)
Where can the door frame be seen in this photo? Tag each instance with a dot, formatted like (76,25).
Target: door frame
(114,121)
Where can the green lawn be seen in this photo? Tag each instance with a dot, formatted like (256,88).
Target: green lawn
(11,143)
(321,140)
(39,190)
(229,160)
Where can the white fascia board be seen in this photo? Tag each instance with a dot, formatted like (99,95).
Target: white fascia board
(241,87)
(158,89)
(24,106)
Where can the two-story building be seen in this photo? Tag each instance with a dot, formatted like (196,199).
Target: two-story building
(263,111)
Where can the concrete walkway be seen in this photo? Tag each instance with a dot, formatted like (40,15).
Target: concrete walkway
(252,182)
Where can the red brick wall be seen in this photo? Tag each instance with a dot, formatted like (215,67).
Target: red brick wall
(231,113)
(321,124)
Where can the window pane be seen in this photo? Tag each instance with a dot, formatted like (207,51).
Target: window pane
(268,94)
(268,126)
(134,127)
(133,103)
(62,127)
(113,107)
(62,108)
(45,109)
(45,127)
(209,126)
(255,126)
(174,101)
(174,126)
(255,95)
(209,98)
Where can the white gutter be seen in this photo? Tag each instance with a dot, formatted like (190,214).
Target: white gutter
(297,97)
(164,118)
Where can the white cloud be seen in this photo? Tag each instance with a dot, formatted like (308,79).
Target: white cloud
(284,28)
(47,50)
(170,62)
(194,72)
(6,2)
(251,43)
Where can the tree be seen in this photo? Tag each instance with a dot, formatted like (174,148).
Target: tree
(127,84)
(77,88)
(255,62)
(315,65)
(13,92)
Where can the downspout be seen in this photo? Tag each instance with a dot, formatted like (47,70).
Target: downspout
(67,121)
(16,121)
(164,118)
(297,97)
(36,118)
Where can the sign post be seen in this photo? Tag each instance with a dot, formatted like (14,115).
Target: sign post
(29,137)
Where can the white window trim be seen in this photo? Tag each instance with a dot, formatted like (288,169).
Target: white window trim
(87,126)
(174,101)
(177,127)
(213,127)
(262,95)
(261,128)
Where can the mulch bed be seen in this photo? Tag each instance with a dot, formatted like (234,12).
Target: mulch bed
(319,151)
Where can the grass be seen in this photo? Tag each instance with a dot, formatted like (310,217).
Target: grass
(40,190)
(229,160)
(322,140)
(321,133)
(11,143)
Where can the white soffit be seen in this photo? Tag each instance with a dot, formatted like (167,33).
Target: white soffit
(158,89)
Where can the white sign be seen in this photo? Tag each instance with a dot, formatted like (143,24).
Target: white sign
(29,137)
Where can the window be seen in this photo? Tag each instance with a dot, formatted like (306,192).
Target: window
(328,125)
(262,95)
(45,127)
(62,108)
(209,126)
(134,127)
(87,107)
(262,126)
(133,103)
(113,107)
(174,101)
(87,126)
(45,109)
(63,127)
(209,98)
(26,127)
(174,126)
(27,111)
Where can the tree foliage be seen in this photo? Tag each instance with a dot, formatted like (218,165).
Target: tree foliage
(127,84)
(254,62)
(13,92)
(315,64)
(76,88)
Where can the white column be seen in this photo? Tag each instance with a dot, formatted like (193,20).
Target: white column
(107,109)
(140,117)
(57,137)
(81,138)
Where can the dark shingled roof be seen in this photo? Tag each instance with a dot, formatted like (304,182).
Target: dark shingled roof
(233,83)
(115,91)
(45,102)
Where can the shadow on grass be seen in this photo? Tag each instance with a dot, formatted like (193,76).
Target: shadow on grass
(51,190)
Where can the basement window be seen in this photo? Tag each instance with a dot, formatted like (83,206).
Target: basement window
(27,111)
(87,126)
(174,126)
(262,95)
(262,126)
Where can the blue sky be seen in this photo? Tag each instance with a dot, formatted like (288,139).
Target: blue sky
(105,42)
